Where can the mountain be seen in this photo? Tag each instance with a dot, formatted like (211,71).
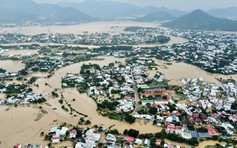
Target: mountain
(224,13)
(21,11)
(199,20)
(114,10)
(156,16)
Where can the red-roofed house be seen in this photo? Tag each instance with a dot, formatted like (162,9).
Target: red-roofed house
(129,139)
(233,118)
(73,134)
(55,138)
(158,143)
(211,131)
(17,146)
(215,115)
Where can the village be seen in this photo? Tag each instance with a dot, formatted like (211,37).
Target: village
(206,111)
(88,39)
(134,91)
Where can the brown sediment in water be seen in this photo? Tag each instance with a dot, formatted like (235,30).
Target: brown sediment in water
(11,66)
(176,71)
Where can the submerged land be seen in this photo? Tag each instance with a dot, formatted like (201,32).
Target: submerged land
(178,90)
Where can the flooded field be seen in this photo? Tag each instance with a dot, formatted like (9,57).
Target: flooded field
(176,71)
(12,66)
(107,27)
(211,143)
(20,52)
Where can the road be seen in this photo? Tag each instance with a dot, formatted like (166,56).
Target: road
(136,95)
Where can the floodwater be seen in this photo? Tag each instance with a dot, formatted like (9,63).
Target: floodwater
(19,125)
(2,96)
(211,143)
(177,71)
(114,27)
(11,66)
(20,52)
(94,27)
(23,125)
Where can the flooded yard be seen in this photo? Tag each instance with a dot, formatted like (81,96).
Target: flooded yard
(12,66)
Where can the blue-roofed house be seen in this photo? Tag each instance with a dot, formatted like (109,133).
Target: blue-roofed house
(213,120)
(203,135)
(194,134)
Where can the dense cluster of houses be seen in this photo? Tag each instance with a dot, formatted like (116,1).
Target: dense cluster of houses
(23,98)
(19,94)
(118,81)
(92,137)
(29,146)
(45,63)
(88,39)
(213,52)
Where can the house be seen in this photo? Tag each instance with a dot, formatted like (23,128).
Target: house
(17,146)
(138,141)
(110,139)
(228,127)
(233,118)
(147,142)
(55,138)
(92,137)
(129,139)
(211,131)
(203,135)
(158,143)
(194,134)
(53,129)
(212,120)
(172,119)
(63,131)
(80,145)
(186,135)
(73,133)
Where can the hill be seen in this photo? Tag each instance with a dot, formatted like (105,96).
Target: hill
(156,16)
(21,11)
(199,20)
(115,10)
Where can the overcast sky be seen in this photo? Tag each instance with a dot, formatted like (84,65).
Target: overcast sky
(177,4)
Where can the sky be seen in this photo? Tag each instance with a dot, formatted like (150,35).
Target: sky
(175,4)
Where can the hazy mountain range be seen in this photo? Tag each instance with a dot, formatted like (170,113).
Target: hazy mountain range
(224,13)
(17,11)
(22,11)
(199,20)
(156,16)
(111,10)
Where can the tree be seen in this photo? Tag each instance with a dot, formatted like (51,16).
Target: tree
(130,119)
(114,131)
(88,122)
(153,110)
(60,101)
(133,133)
(100,145)
(125,132)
